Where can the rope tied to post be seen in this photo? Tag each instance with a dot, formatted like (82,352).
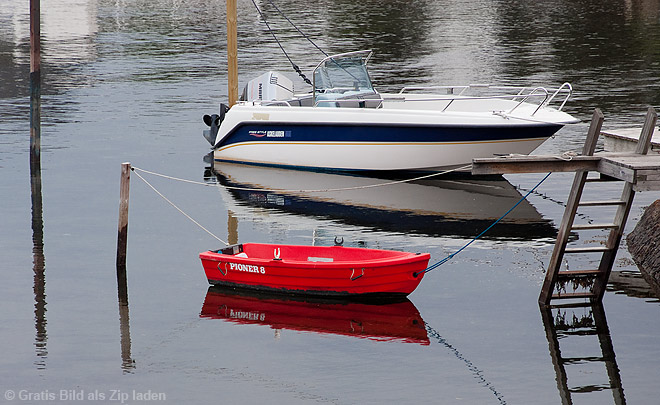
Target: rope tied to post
(177,208)
(136,170)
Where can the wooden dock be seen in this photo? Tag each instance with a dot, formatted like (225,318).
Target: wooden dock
(637,170)
(625,140)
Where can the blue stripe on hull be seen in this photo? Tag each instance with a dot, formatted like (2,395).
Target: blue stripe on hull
(287,132)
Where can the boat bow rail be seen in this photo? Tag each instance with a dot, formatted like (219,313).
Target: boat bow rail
(460,93)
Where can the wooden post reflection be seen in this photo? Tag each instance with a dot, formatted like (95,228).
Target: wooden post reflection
(127,362)
(38,260)
(567,322)
(232,228)
(35,188)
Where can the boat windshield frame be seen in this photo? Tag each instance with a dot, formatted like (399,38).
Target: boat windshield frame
(342,75)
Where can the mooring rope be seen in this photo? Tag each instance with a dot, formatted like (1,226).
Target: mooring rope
(432,267)
(478,374)
(177,208)
(136,170)
(451,256)
(322,190)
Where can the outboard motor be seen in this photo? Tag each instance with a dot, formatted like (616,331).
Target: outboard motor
(214,121)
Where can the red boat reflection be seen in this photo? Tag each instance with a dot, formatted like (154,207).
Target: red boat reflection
(392,321)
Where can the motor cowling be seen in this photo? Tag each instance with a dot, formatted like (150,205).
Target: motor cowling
(214,121)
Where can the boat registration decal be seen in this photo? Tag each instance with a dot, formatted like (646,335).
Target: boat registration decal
(269,134)
(247,268)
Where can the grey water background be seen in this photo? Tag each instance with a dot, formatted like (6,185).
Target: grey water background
(129,80)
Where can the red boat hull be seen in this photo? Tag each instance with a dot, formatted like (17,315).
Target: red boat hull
(316,270)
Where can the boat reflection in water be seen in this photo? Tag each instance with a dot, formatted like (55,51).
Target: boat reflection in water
(398,321)
(439,206)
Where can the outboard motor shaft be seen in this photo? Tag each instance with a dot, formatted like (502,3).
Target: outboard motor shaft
(214,121)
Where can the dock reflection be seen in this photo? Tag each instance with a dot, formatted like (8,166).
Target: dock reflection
(569,324)
(391,321)
(459,206)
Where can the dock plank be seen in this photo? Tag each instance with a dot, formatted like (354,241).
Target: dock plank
(643,171)
(533,164)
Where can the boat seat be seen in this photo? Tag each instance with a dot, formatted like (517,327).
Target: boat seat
(350,100)
(305,101)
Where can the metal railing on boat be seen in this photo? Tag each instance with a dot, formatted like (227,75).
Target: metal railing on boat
(522,92)
(523,95)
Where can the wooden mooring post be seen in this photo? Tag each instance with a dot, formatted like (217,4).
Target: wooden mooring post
(637,171)
(128,363)
(122,232)
(35,82)
(232,52)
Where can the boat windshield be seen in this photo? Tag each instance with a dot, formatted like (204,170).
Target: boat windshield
(345,74)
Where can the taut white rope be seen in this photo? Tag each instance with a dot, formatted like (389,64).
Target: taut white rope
(325,190)
(177,208)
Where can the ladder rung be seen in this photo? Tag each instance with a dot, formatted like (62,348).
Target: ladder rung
(573,295)
(603,202)
(594,249)
(577,273)
(594,226)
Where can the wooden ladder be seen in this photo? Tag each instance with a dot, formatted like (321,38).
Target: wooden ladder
(600,275)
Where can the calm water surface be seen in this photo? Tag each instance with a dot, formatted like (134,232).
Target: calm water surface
(128,80)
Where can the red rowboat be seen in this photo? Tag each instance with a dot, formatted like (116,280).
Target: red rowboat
(316,270)
(394,321)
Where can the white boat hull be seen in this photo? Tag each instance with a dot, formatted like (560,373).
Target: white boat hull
(356,156)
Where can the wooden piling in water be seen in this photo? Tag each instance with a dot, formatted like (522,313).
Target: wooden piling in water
(232,53)
(35,81)
(122,232)
(122,285)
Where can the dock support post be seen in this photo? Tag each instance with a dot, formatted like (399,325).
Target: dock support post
(122,232)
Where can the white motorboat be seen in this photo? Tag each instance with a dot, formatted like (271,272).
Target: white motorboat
(345,124)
